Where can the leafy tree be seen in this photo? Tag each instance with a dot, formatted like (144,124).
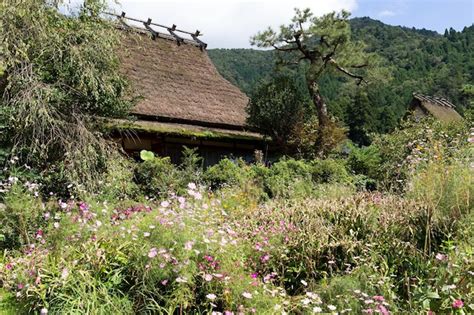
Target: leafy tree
(277,106)
(324,44)
(59,73)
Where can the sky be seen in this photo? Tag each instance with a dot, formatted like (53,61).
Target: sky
(231,23)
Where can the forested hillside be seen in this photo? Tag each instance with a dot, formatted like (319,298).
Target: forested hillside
(419,61)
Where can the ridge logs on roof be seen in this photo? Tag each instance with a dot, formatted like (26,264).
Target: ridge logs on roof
(173,30)
(434,100)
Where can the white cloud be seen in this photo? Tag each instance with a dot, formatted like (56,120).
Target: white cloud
(386,13)
(227,23)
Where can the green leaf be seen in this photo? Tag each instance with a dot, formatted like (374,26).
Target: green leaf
(433,295)
(426,304)
(147,155)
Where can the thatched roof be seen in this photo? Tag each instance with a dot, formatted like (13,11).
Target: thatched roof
(179,83)
(438,107)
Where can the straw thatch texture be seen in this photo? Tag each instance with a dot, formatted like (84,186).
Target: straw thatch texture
(439,108)
(179,83)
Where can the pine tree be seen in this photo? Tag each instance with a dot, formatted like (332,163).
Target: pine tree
(360,119)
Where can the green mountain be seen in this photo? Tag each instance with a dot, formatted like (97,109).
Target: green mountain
(420,61)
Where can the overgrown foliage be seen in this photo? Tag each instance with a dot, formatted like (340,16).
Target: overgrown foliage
(312,244)
(277,107)
(59,74)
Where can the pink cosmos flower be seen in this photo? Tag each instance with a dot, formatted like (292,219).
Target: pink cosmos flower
(152,253)
(64,273)
(458,304)
(383,310)
(254,275)
(9,266)
(265,258)
(188,245)
(165,204)
(164,282)
(441,257)
(208,277)
(378,298)
(83,206)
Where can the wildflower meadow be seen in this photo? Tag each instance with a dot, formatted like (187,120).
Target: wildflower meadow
(253,244)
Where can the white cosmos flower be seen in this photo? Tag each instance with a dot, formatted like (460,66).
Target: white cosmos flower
(211,296)
(247,295)
(306,301)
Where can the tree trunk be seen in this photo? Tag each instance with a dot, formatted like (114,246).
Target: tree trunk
(323,118)
(321,107)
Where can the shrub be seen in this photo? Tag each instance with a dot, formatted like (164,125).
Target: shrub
(225,173)
(365,161)
(312,142)
(329,171)
(118,183)
(157,176)
(288,178)
(20,218)
(191,167)
(416,143)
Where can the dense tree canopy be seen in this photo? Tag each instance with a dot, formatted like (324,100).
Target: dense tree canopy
(277,106)
(418,60)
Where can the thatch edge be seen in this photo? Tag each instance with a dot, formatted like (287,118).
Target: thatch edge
(181,130)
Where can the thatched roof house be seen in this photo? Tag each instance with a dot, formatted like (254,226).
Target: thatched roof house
(439,108)
(183,100)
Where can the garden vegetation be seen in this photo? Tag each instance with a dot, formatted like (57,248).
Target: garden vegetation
(384,228)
